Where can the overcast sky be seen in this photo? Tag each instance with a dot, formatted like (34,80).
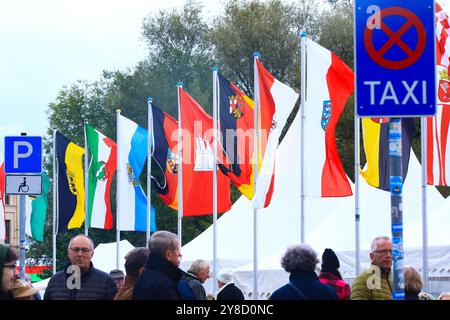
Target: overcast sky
(47,44)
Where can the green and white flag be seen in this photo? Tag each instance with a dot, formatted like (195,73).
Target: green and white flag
(101,170)
(37,210)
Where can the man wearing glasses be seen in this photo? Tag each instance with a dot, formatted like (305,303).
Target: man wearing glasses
(80,280)
(161,275)
(376,282)
(8,270)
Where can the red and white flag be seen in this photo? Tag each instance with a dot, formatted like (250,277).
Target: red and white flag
(329,84)
(438,133)
(2,203)
(274,102)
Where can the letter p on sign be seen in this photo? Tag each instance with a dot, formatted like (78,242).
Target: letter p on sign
(23,154)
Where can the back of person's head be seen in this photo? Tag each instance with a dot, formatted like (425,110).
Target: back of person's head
(299,258)
(413,280)
(444,296)
(425,296)
(135,260)
(161,242)
(225,276)
(330,262)
(198,265)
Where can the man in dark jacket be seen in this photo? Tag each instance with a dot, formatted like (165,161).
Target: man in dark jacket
(8,270)
(197,274)
(80,280)
(228,291)
(300,261)
(161,275)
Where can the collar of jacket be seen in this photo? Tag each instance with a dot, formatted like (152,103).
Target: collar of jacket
(83,274)
(303,275)
(160,264)
(328,275)
(223,287)
(189,274)
(383,272)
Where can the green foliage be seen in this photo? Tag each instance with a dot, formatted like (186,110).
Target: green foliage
(183,46)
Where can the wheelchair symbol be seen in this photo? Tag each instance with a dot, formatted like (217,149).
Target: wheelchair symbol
(23,186)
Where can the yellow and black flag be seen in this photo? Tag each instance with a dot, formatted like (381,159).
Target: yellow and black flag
(70,184)
(376,146)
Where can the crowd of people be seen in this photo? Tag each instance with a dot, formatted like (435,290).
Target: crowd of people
(153,273)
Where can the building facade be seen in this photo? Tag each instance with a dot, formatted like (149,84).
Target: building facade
(12,219)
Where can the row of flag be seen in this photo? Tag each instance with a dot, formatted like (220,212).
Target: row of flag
(329,84)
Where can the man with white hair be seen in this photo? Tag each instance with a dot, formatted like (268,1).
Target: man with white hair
(227,289)
(197,274)
(375,283)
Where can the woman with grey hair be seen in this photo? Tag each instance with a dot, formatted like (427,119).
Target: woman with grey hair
(300,261)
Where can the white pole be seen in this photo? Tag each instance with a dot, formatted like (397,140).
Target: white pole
(86,183)
(215,136)
(255,174)
(180,168)
(150,148)
(357,209)
(302,135)
(55,195)
(119,181)
(423,137)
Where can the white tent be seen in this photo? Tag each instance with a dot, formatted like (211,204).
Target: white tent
(329,222)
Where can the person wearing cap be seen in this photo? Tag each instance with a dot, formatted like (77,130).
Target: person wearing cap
(80,280)
(118,277)
(227,289)
(22,290)
(331,276)
(8,270)
(197,274)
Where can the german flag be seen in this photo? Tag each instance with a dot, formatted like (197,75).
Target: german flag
(70,184)
(165,157)
(376,146)
(237,134)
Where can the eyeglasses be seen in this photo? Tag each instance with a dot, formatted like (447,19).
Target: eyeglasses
(11,266)
(83,250)
(384,251)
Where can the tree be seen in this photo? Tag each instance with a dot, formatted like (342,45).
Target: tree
(270,28)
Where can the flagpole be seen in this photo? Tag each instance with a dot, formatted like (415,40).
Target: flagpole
(150,146)
(356,173)
(255,174)
(180,168)
(302,141)
(423,131)
(55,187)
(215,134)
(357,208)
(86,183)
(119,169)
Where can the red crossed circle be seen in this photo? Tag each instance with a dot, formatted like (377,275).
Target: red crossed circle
(380,120)
(396,38)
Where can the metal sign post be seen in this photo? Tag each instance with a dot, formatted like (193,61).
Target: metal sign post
(396,185)
(395,64)
(23,155)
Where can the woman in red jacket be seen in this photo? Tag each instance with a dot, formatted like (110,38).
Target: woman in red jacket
(331,276)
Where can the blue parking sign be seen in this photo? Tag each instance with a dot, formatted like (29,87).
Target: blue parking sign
(23,154)
(395,58)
